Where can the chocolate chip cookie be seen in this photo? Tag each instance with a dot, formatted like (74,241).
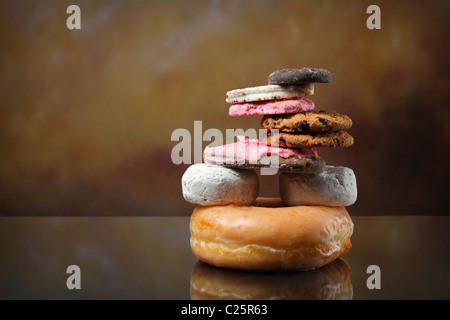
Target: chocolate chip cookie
(286,77)
(305,122)
(331,139)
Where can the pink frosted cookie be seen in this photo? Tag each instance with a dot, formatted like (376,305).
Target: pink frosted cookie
(269,92)
(252,154)
(271,107)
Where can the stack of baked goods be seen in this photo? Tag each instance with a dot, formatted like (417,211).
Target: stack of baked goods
(308,225)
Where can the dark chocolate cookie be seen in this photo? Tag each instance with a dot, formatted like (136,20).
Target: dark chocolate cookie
(305,122)
(286,77)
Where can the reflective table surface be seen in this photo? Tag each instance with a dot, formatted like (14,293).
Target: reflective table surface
(150,258)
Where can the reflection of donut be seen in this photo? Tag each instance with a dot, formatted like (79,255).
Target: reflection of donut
(267,236)
(331,282)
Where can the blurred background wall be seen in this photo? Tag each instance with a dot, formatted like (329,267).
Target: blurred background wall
(86,116)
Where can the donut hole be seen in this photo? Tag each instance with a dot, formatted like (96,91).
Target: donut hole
(268,202)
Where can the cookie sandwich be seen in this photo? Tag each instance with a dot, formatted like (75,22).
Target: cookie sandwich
(307,226)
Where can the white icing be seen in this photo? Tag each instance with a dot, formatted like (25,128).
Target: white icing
(269,92)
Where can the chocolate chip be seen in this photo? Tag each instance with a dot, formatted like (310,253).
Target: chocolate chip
(323,121)
(266,122)
(303,126)
(336,142)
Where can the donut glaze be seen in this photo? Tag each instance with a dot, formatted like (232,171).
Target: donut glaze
(268,236)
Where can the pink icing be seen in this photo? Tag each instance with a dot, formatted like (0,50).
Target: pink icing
(271,107)
(251,150)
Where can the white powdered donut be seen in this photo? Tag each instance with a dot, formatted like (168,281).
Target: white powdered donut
(209,185)
(336,186)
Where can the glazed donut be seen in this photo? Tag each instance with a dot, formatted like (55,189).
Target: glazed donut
(270,237)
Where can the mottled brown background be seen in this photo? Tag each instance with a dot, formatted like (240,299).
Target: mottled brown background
(86,115)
